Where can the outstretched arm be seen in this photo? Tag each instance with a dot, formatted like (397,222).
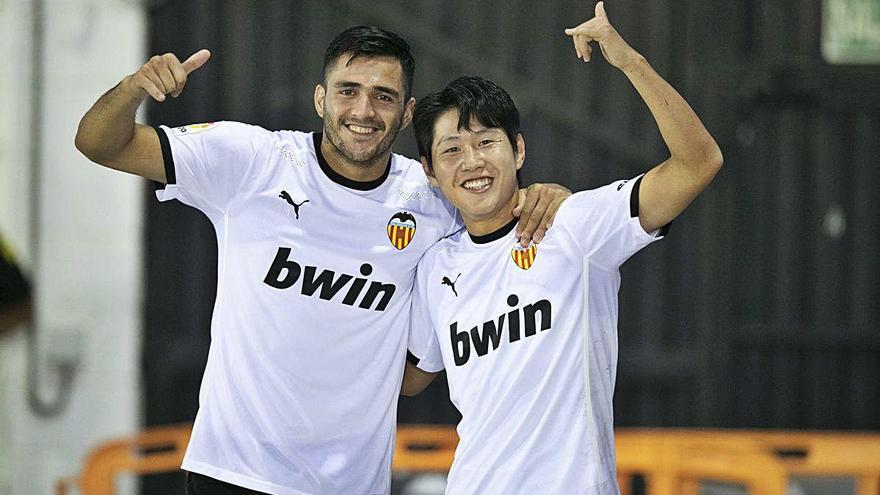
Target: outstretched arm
(667,189)
(107,133)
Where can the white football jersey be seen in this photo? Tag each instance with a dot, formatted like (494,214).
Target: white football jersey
(308,335)
(528,338)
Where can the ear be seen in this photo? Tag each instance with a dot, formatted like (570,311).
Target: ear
(429,173)
(320,93)
(520,151)
(408,112)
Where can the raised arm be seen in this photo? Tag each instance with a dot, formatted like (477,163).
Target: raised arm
(667,189)
(108,134)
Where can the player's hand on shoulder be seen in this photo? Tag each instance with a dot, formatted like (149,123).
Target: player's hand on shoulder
(536,208)
(164,75)
(599,29)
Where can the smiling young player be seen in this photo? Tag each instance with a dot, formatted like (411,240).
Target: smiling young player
(528,337)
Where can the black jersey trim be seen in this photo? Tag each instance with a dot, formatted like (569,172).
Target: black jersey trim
(634,198)
(167,158)
(341,179)
(494,236)
(412,359)
(634,206)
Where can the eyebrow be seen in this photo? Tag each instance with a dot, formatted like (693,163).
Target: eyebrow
(352,84)
(457,137)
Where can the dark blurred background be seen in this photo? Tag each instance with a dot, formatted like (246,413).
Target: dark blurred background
(758,310)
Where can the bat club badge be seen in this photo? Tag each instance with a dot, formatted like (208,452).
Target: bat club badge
(524,257)
(401,229)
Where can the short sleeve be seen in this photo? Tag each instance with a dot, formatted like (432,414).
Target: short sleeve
(206,165)
(423,343)
(604,222)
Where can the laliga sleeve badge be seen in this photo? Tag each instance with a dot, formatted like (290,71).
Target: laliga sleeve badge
(401,229)
(193,128)
(524,257)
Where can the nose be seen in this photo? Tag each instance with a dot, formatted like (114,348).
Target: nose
(363,106)
(473,159)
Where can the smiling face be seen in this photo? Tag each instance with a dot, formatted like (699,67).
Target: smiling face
(476,170)
(363,104)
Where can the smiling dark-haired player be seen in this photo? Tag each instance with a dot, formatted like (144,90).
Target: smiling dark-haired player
(529,337)
(319,235)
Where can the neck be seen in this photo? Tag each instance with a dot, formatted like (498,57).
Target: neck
(493,222)
(360,172)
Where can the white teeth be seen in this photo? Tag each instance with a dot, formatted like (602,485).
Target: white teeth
(361,130)
(477,183)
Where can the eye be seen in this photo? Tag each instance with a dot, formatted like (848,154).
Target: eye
(452,149)
(384,98)
(486,142)
(347,92)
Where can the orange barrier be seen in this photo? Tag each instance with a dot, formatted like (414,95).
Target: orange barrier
(673,465)
(795,453)
(424,448)
(155,450)
(672,461)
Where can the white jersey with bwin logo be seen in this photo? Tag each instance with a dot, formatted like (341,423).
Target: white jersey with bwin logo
(308,335)
(528,338)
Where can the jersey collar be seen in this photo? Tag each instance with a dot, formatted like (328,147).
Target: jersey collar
(341,179)
(494,236)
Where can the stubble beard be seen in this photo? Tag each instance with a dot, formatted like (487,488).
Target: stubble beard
(364,159)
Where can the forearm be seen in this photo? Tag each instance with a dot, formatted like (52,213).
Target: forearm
(415,380)
(109,125)
(689,143)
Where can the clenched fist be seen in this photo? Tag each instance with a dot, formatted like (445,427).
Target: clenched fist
(164,75)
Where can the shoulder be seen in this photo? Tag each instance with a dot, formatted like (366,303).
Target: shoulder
(225,127)
(443,252)
(244,131)
(411,186)
(595,201)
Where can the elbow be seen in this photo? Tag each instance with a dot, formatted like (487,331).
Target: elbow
(84,145)
(716,161)
(710,162)
(713,161)
(90,147)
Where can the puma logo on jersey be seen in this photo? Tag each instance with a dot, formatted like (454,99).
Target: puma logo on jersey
(285,273)
(451,283)
(487,337)
(286,197)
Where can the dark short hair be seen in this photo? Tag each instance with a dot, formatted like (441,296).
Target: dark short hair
(471,96)
(371,41)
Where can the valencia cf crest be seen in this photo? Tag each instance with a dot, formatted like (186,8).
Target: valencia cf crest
(524,257)
(401,229)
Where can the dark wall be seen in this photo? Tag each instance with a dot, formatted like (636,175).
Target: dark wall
(759,309)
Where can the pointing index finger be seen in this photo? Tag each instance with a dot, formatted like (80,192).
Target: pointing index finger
(196,60)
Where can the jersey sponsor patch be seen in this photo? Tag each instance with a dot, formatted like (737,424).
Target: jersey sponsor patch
(401,229)
(524,257)
(193,128)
